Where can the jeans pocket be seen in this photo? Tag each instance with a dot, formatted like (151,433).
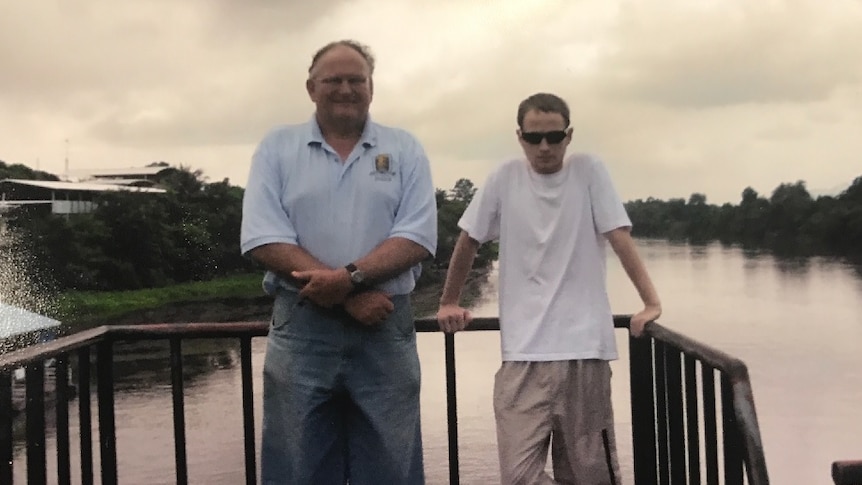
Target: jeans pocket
(405,325)
(284,308)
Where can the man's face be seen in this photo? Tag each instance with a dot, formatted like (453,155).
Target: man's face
(340,86)
(544,138)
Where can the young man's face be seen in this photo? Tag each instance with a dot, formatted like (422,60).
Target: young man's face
(544,138)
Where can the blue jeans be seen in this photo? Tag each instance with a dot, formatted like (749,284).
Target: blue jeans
(340,400)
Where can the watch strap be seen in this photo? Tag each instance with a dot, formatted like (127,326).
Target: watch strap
(358,286)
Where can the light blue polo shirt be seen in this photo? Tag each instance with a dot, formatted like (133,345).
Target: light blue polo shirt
(299,192)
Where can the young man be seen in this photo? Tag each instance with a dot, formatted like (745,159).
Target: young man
(340,211)
(551,215)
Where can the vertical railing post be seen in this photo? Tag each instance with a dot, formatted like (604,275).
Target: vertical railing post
(746,415)
(452,409)
(675,418)
(6,427)
(710,428)
(730,432)
(61,383)
(107,425)
(84,416)
(179,411)
(643,409)
(35,392)
(660,363)
(248,410)
(692,424)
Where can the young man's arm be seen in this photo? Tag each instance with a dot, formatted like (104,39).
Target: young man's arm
(451,316)
(624,246)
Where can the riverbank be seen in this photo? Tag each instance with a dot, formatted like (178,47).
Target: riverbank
(237,300)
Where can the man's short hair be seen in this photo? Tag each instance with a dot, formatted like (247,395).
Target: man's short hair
(544,102)
(362,49)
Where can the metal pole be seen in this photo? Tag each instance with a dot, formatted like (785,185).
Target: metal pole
(452,409)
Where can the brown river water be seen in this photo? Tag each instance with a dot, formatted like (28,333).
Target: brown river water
(796,323)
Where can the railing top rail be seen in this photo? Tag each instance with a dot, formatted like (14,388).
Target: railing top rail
(53,348)
(189,330)
(192,330)
(93,336)
(735,368)
(712,357)
(429,324)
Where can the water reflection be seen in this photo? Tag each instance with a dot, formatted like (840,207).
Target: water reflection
(148,361)
(793,266)
(857,268)
(699,251)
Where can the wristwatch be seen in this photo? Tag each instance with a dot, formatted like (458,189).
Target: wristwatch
(357,277)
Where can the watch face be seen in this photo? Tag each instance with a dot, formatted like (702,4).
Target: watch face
(357,276)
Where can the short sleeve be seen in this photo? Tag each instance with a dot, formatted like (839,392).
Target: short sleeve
(481,219)
(264,219)
(607,207)
(416,218)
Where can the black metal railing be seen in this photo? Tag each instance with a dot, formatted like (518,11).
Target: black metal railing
(674,439)
(676,413)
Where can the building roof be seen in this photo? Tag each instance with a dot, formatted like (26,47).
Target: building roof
(82,186)
(117,172)
(118,181)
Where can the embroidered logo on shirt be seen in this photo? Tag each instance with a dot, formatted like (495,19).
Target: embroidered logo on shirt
(382,169)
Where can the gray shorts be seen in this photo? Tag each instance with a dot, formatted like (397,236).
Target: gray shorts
(562,404)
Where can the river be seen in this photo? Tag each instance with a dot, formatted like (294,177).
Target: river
(796,323)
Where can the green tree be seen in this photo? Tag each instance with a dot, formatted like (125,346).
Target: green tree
(699,219)
(451,205)
(753,215)
(463,191)
(790,221)
(790,206)
(20,171)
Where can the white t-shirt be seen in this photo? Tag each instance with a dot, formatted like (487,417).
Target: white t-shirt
(553,296)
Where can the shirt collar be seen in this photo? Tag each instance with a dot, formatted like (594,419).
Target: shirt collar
(368,138)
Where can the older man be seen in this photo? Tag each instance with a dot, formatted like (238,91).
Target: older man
(340,211)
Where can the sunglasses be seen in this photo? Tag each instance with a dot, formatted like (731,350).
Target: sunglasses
(536,137)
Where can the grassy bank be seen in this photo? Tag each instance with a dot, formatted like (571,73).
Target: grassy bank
(233,298)
(94,307)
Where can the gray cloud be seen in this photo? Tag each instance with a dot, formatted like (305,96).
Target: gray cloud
(160,71)
(258,22)
(764,52)
(676,98)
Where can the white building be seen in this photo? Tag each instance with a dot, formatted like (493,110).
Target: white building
(61,197)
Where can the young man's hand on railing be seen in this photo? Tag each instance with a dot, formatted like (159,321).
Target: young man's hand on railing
(453,318)
(640,319)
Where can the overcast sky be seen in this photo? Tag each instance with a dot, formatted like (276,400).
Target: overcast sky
(677,96)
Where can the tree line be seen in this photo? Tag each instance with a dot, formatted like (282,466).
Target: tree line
(788,222)
(191,233)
